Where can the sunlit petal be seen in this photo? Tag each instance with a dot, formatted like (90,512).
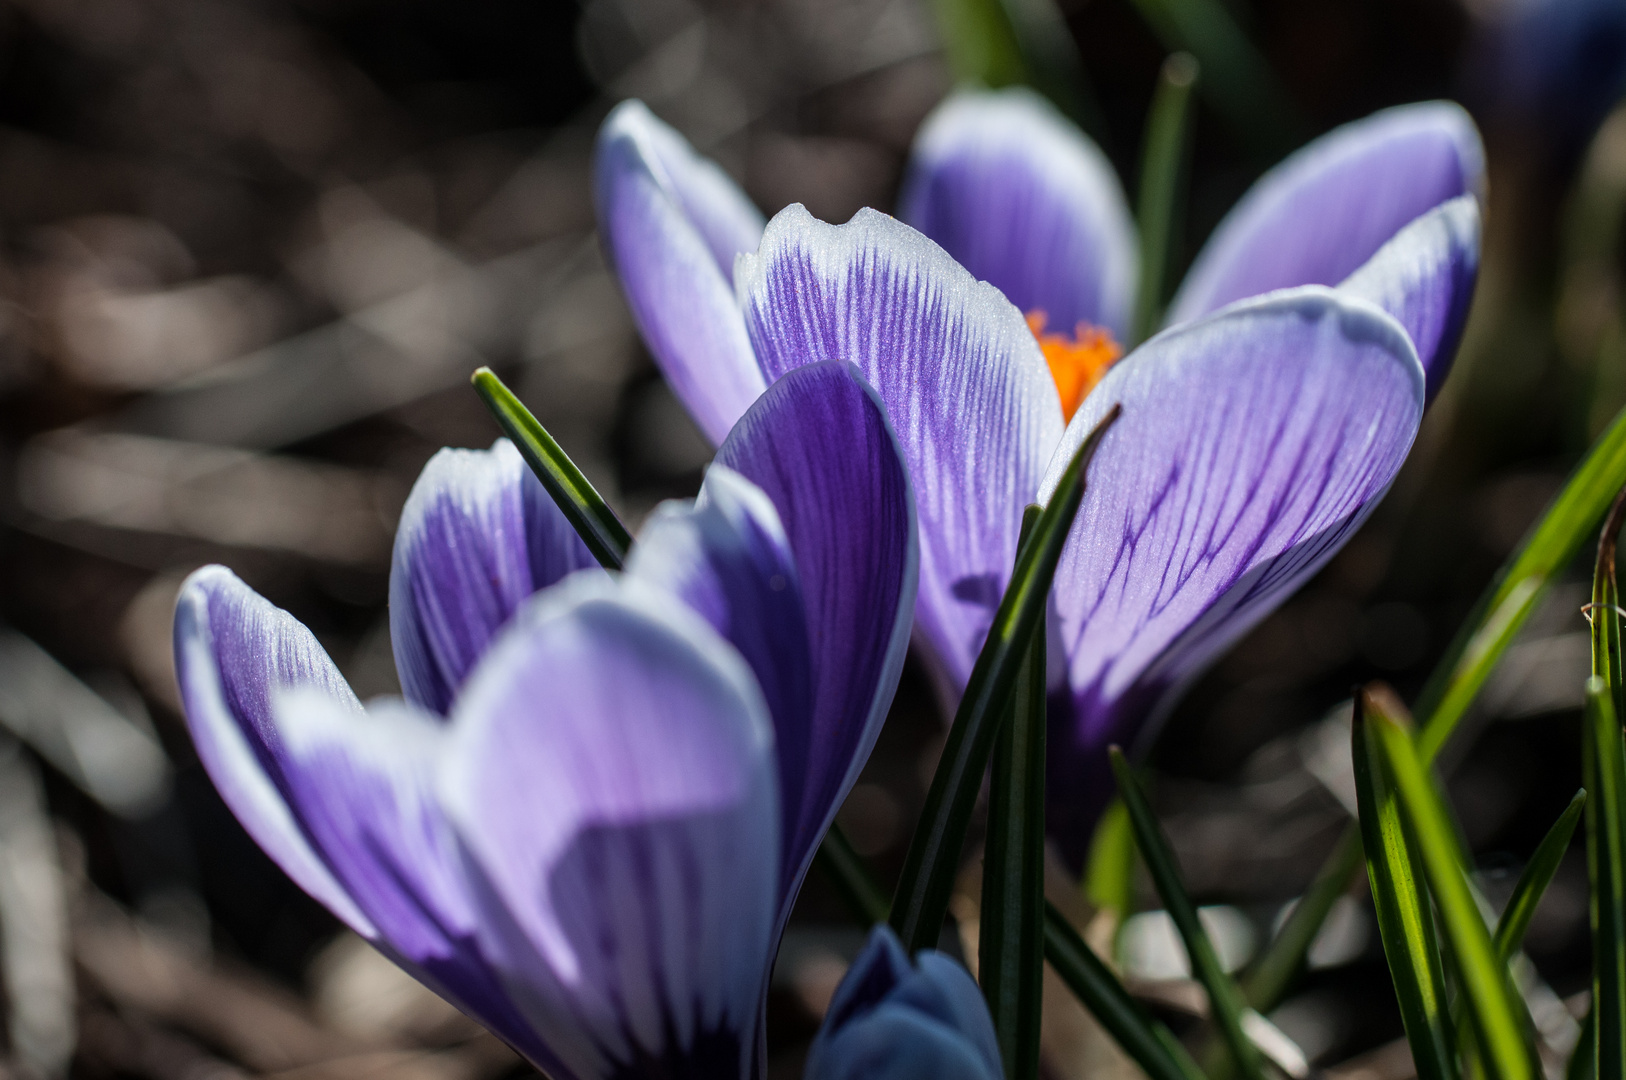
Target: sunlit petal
(1316,217)
(611,776)
(672,223)
(1025,201)
(478,535)
(965,387)
(1251,446)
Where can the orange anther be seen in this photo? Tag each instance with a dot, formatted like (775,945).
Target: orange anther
(1077,361)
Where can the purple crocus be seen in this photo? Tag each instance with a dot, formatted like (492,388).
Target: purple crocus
(893,1019)
(1258,431)
(587,822)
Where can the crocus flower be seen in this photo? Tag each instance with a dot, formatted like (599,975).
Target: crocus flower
(1257,434)
(586,823)
(895,1020)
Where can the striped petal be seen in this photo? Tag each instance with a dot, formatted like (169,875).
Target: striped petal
(233,652)
(726,556)
(964,384)
(611,778)
(893,1020)
(811,575)
(1251,446)
(1025,201)
(478,535)
(672,224)
(362,786)
(819,446)
(1425,278)
(1316,217)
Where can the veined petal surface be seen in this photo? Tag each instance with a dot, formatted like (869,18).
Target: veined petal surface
(611,778)
(363,788)
(233,652)
(726,556)
(1025,201)
(478,535)
(1320,214)
(1251,446)
(672,224)
(966,390)
(893,1020)
(1425,278)
(819,447)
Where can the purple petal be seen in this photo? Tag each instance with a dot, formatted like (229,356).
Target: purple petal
(363,788)
(1025,201)
(478,535)
(819,446)
(1316,217)
(1425,278)
(893,1020)
(727,558)
(233,650)
(611,779)
(965,387)
(672,224)
(1251,446)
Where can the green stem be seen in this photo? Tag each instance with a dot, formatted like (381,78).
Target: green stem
(846,870)
(921,902)
(582,505)
(1010,949)
(1162,187)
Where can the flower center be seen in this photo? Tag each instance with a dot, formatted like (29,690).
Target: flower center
(1077,360)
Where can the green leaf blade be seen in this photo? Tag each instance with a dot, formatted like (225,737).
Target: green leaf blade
(1148,1042)
(597,525)
(1162,187)
(1509,600)
(981,42)
(1010,951)
(1538,874)
(1225,1000)
(846,870)
(921,901)
(1499,1017)
(1240,84)
(1603,765)
(1405,919)
(1269,978)
(1547,550)
(1109,872)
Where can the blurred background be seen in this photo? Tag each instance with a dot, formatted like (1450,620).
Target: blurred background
(250,251)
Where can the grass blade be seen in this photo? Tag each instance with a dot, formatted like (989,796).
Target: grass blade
(1225,1000)
(1238,81)
(1603,764)
(1538,874)
(921,902)
(1405,918)
(1460,674)
(1584,1058)
(1499,1017)
(582,506)
(1053,65)
(1546,551)
(1268,979)
(1162,187)
(846,870)
(1010,948)
(1148,1042)
(980,42)
(1109,873)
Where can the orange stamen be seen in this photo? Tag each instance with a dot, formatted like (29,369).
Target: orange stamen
(1077,361)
